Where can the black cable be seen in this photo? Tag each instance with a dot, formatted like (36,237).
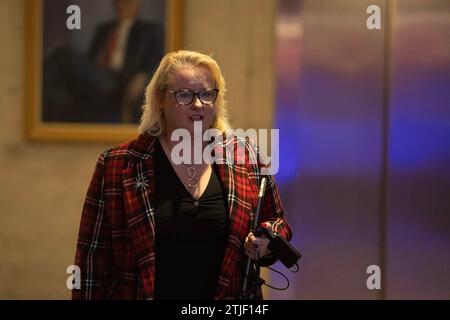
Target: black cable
(260,281)
(287,280)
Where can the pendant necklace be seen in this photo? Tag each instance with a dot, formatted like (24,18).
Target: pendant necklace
(193,181)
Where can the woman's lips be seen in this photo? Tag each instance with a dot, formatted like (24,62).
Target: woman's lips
(196,117)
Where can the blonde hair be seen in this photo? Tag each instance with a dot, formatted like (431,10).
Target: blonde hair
(152,119)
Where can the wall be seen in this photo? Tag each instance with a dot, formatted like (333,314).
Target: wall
(418,255)
(365,146)
(43,184)
(329,108)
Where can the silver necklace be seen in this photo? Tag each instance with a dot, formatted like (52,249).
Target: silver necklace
(193,182)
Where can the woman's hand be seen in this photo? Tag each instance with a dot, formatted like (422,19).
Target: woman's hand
(256,247)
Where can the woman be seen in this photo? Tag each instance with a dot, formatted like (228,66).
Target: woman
(155,228)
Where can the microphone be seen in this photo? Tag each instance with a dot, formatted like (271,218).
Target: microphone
(262,190)
(280,248)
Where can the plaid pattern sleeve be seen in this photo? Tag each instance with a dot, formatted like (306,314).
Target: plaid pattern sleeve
(271,210)
(94,251)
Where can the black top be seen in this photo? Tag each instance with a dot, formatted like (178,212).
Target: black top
(190,235)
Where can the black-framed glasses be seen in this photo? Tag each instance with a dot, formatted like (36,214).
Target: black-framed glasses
(185,97)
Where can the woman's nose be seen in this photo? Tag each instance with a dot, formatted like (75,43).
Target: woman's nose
(197,103)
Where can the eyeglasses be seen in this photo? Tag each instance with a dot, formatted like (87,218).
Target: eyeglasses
(185,97)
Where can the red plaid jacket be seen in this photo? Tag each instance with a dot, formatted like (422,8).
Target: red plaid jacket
(115,248)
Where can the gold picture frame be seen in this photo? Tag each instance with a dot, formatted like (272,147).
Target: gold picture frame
(36,127)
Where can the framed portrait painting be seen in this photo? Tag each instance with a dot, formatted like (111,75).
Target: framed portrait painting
(87,64)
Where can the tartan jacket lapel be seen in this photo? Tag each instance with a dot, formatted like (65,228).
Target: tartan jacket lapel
(139,189)
(239,210)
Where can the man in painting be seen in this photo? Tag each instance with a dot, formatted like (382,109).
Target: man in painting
(107,85)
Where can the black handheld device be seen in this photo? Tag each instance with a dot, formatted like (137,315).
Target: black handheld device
(280,247)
